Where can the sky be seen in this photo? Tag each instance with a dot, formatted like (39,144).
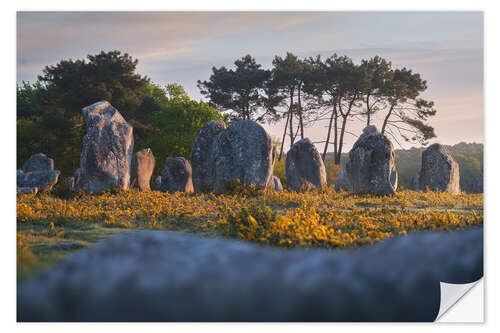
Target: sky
(446,48)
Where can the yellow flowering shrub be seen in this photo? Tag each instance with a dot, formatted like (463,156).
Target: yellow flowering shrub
(322,218)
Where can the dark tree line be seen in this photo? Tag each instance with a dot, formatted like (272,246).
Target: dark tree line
(49,118)
(304,91)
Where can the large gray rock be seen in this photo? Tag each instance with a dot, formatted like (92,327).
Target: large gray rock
(243,151)
(176,176)
(43,181)
(164,276)
(202,155)
(107,149)
(38,162)
(304,166)
(415,182)
(276,184)
(27,190)
(342,182)
(439,170)
(38,175)
(371,167)
(141,169)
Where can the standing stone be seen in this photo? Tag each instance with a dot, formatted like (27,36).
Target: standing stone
(157,184)
(38,175)
(415,182)
(276,184)
(107,149)
(304,166)
(439,170)
(176,176)
(243,151)
(141,169)
(202,155)
(342,181)
(371,167)
(38,162)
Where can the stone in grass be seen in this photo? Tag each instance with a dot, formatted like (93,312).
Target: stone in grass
(176,176)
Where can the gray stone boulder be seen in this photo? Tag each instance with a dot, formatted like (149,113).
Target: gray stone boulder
(371,167)
(107,149)
(38,175)
(38,162)
(440,171)
(43,181)
(243,151)
(176,176)
(276,184)
(141,169)
(27,190)
(202,155)
(166,276)
(342,182)
(415,182)
(304,166)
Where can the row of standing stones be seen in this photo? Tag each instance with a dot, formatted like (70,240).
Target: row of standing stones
(241,151)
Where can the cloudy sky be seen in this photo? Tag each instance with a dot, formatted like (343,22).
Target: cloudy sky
(446,48)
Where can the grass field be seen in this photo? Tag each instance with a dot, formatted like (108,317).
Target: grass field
(284,219)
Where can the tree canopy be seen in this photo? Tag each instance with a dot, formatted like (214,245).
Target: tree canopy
(50,119)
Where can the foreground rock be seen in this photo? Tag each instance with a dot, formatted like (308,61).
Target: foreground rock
(176,176)
(371,167)
(107,149)
(162,276)
(141,169)
(243,151)
(304,166)
(439,170)
(202,155)
(38,175)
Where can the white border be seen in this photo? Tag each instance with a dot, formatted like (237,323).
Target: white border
(492,159)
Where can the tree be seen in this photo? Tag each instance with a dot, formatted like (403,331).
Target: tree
(238,92)
(65,88)
(406,113)
(376,74)
(176,124)
(28,98)
(338,87)
(286,92)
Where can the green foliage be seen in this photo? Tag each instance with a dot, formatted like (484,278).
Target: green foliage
(238,92)
(175,124)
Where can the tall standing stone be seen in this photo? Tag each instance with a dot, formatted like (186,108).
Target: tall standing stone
(202,155)
(176,176)
(141,170)
(107,149)
(304,166)
(243,151)
(440,171)
(371,167)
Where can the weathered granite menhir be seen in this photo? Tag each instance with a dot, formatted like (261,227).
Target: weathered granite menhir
(107,150)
